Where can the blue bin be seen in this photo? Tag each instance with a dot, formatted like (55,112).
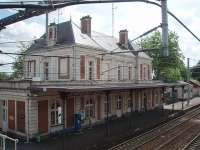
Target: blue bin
(77,125)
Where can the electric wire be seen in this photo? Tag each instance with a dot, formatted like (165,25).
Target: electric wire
(69,3)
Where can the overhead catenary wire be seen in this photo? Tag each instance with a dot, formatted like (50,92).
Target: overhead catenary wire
(24,54)
(14,42)
(69,3)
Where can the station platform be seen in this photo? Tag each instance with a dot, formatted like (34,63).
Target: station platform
(188,104)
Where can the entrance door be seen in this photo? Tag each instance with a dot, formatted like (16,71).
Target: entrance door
(11,114)
(21,116)
(70,112)
(43,116)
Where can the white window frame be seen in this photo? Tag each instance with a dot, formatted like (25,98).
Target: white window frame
(90,108)
(56,113)
(119,102)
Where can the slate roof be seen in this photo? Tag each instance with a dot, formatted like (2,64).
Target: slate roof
(70,34)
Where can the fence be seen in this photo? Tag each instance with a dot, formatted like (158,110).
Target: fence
(5,142)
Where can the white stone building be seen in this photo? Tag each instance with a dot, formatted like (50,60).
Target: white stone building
(71,70)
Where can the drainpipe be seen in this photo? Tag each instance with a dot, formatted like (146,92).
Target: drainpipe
(107,114)
(136,68)
(27,134)
(131,116)
(182,97)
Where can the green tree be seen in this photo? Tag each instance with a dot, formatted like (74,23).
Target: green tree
(169,68)
(4,76)
(195,71)
(18,65)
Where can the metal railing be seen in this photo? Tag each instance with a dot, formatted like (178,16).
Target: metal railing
(3,139)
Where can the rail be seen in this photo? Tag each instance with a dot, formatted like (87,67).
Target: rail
(3,141)
(150,135)
(193,144)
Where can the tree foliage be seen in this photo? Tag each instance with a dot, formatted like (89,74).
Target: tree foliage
(195,71)
(4,76)
(169,68)
(18,65)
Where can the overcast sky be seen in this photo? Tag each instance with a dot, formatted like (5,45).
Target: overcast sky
(135,17)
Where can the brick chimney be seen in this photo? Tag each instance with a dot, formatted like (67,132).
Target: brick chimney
(123,38)
(86,25)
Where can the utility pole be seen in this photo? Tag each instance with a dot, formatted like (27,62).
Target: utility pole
(188,79)
(165,41)
(188,69)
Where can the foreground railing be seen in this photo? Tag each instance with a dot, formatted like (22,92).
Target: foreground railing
(3,139)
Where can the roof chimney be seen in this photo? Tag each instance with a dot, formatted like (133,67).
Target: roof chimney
(123,38)
(86,25)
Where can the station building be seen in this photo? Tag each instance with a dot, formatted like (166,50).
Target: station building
(74,70)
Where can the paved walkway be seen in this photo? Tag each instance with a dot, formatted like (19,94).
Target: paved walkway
(178,105)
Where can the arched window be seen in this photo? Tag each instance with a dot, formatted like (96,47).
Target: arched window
(56,113)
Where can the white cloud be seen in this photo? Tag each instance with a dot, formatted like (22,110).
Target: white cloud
(136,17)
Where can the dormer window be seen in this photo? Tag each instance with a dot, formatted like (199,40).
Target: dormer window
(52,34)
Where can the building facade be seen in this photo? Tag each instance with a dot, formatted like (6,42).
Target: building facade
(72,70)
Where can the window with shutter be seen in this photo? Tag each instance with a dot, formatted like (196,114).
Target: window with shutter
(46,70)
(64,68)
(82,67)
(31,68)
(149,73)
(119,72)
(130,72)
(141,72)
(98,68)
(144,73)
(91,70)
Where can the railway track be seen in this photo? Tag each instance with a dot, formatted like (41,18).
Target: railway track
(194,144)
(161,134)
